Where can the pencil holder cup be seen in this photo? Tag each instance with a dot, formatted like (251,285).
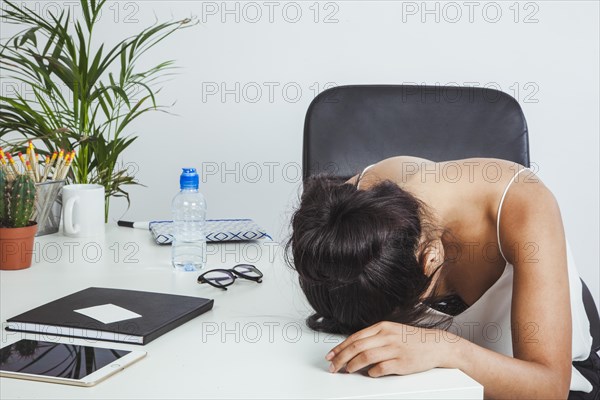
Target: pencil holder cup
(48,207)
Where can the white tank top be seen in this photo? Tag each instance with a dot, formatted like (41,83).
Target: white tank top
(487,322)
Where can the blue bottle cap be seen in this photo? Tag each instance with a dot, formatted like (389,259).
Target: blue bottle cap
(189,179)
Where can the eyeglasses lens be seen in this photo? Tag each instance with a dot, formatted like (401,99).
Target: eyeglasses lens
(247,270)
(219,278)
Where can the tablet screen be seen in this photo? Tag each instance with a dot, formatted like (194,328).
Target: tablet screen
(56,359)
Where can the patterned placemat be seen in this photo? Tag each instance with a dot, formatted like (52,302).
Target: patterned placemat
(217,230)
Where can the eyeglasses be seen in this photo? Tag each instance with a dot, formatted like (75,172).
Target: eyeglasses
(220,278)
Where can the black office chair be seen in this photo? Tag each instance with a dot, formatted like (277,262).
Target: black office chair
(349,127)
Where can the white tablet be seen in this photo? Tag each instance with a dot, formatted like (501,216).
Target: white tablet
(69,364)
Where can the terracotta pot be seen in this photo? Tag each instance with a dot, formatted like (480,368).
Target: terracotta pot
(16,247)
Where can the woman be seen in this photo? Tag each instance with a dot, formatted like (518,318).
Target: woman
(430,265)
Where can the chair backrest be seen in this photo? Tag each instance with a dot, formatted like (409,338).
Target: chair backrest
(349,127)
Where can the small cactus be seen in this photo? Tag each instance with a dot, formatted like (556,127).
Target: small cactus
(3,193)
(21,202)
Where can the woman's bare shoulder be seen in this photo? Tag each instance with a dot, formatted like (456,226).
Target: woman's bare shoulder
(477,171)
(470,173)
(388,168)
(485,167)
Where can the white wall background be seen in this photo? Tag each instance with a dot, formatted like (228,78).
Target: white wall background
(249,142)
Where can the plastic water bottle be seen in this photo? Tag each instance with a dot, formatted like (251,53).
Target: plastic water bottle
(189,216)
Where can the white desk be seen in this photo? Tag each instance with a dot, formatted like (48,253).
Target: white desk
(253,344)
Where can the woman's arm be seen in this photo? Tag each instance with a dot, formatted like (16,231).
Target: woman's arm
(507,377)
(533,241)
(389,348)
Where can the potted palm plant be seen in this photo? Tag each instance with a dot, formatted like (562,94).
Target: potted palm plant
(17,230)
(81,94)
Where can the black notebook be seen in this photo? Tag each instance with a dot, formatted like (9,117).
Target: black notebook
(114,315)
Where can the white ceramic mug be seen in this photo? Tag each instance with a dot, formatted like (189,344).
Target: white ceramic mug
(83,210)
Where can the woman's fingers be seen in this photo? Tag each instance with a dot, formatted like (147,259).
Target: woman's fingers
(355,349)
(386,349)
(384,368)
(372,356)
(364,333)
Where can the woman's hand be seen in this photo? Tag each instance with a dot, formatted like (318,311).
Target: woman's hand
(392,349)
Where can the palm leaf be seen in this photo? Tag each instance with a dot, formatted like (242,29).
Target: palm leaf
(52,54)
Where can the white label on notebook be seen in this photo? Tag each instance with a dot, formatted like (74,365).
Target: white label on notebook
(108,313)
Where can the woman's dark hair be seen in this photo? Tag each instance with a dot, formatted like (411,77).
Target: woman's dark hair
(359,256)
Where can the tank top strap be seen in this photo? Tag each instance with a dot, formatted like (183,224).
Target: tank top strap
(362,173)
(500,210)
